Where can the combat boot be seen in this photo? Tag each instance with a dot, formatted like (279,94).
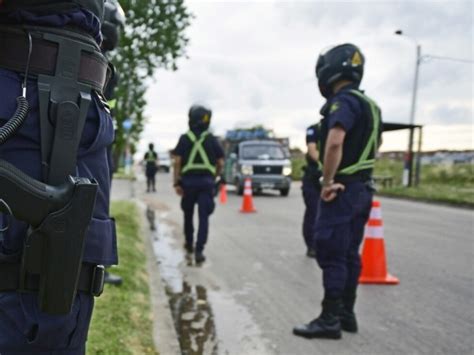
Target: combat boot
(112,279)
(189,248)
(347,315)
(327,325)
(199,257)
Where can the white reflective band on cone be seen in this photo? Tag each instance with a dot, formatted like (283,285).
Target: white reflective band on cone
(376,213)
(373,232)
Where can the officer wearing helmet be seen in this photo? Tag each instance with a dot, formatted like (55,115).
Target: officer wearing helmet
(199,159)
(311,188)
(350,137)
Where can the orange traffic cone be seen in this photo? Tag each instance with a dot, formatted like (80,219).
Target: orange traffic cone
(247,202)
(374,264)
(223,194)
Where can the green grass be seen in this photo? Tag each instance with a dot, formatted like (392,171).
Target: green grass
(297,165)
(434,193)
(122,321)
(452,184)
(120,174)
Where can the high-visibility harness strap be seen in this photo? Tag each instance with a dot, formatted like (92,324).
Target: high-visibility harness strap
(364,163)
(198,149)
(150,156)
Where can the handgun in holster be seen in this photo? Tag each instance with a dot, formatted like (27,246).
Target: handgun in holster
(53,248)
(59,210)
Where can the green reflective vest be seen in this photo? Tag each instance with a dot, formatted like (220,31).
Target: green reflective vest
(367,158)
(151,156)
(198,149)
(368,143)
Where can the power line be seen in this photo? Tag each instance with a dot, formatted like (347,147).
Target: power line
(429,56)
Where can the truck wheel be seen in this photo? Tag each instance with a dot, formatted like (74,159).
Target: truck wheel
(240,190)
(284,192)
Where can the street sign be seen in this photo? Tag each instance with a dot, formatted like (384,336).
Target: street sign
(127,124)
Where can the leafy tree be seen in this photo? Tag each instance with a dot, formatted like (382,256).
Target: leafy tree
(154,37)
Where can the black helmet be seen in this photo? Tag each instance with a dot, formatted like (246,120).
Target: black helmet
(199,117)
(344,61)
(114,19)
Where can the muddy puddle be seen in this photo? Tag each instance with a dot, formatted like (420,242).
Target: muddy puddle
(207,321)
(191,311)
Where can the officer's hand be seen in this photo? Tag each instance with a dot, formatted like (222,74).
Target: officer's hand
(179,190)
(329,193)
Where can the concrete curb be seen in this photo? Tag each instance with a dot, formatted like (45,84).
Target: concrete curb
(164,332)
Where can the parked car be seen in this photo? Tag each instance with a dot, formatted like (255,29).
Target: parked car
(266,161)
(164,161)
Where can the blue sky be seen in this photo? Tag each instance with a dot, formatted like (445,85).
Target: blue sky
(253,63)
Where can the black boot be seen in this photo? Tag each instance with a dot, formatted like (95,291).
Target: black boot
(347,315)
(327,325)
(112,279)
(199,257)
(189,248)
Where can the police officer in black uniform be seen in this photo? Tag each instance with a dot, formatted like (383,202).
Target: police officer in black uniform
(350,137)
(151,167)
(51,57)
(311,188)
(199,159)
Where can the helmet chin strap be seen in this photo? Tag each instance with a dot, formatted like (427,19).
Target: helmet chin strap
(325,91)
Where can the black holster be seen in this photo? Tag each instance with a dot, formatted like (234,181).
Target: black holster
(53,249)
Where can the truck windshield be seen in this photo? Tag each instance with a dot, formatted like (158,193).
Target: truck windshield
(263,152)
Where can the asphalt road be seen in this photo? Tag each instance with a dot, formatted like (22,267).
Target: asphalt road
(257,283)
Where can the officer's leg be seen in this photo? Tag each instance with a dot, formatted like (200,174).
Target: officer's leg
(25,330)
(187,205)
(311,199)
(148,180)
(362,206)
(332,242)
(153,181)
(206,208)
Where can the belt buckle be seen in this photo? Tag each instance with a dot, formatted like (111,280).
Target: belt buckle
(98,280)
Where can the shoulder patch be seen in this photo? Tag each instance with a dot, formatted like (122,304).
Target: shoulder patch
(309,131)
(334,107)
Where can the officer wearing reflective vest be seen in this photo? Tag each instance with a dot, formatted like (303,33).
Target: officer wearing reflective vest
(52,62)
(199,159)
(311,188)
(151,161)
(350,137)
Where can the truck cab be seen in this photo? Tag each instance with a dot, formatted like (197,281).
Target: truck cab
(266,162)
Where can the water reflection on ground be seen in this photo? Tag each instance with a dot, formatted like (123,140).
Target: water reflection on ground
(192,313)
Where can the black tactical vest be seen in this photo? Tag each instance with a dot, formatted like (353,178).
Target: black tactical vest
(49,6)
(361,142)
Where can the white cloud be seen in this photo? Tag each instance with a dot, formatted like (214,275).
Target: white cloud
(253,62)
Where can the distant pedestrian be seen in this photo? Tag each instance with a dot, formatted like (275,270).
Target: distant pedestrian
(311,188)
(199,159)
(350,136)
(151,160)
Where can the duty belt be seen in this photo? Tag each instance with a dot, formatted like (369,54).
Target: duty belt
(93,69)
(91,279)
